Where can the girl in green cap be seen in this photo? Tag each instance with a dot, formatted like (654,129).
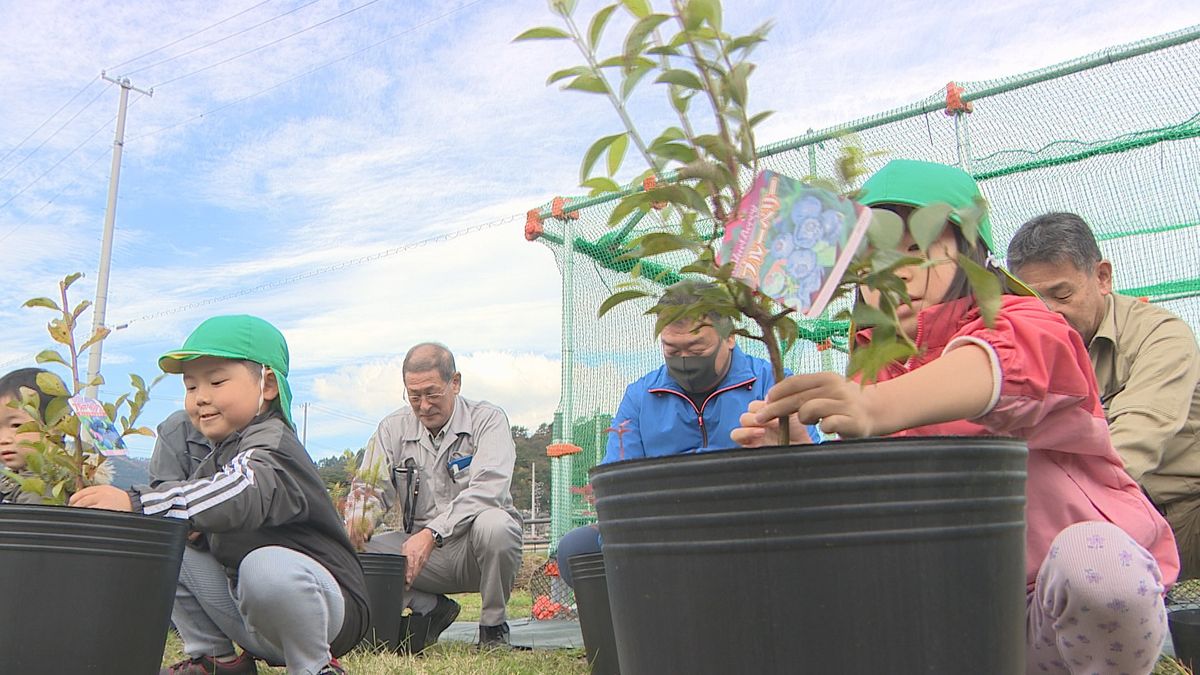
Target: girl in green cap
(1098,555)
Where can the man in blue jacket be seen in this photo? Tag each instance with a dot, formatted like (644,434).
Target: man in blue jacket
(689,404)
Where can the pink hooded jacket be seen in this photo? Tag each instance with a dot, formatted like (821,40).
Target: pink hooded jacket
(1045,393)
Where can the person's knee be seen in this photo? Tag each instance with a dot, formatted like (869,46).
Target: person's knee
(580,541)
(266,581)
(495,530)
(1102,567)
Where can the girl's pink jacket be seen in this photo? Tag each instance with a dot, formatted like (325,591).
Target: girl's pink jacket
(1045,394)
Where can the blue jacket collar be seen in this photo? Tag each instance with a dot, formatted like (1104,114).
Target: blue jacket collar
(739,372)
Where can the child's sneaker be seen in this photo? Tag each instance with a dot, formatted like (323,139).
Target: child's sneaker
(334,668)
(244,664)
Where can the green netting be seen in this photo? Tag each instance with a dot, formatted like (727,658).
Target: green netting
(1113,136)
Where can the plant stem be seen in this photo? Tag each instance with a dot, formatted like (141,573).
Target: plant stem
(577,38)
(776,355)
(76,385)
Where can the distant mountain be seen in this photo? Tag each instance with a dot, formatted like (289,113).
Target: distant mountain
(130,471)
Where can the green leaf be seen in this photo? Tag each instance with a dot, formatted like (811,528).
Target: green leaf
(636,39)
(565,73)
(589,83)
(927,224)
(716,146)
(872,358)
(56,409)
(969,219)
(52,384)
(140,431)
(618,298)
(681,99)
(101,333)
(704,10)
(42,302)
(631,80)
(616,153)
(865,316)
(760,117)
(638,8)
(596,28)
(593,153)
(627,206)
(738,87)
(36,486)
(543,33)
(674,151)
(50,356)
(656,243)
(600,185)
(681,78)
(985,286)
(886,230)
(667,315)
(80,309)
(70,279)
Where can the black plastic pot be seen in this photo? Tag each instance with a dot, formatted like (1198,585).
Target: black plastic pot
(384,573)
(595,616)
(876,556)
(1185,636)
(86,591)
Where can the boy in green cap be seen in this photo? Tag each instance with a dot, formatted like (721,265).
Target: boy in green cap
(279,577)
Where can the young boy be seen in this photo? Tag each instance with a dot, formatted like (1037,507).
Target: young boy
(279,577)
(12,449)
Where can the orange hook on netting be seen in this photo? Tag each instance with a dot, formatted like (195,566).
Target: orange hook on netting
(954,103)
(556,210)
(824,344)
(648,184)
(533,224)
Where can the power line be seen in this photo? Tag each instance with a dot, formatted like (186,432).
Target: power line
(65,157)
(347,416)
(307,72)
(354,262)
(231,35)
(47,120)
(56,132)
(50,201)
(269,44)
(189,35)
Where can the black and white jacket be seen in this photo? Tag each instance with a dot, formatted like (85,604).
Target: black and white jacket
(260,488)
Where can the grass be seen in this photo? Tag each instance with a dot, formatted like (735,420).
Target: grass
(520,605)
(451,658)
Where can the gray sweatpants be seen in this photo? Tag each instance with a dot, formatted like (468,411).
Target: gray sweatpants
(483,558)
(285,608)
(1096,606)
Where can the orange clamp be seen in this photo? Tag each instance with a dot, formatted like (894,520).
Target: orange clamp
(954,102)
(648,184)
(533,225)
(556,210)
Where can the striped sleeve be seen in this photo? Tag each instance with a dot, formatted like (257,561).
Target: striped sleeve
(190,498)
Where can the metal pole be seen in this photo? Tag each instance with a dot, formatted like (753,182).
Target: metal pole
(533,490)
(304,432)
(110,216)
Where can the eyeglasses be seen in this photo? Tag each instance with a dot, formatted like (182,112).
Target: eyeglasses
(415,398)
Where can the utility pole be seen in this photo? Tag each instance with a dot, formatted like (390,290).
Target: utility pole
(532,490)
(304,431)
(110,216)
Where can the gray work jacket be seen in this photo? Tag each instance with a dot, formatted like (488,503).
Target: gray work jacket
(447,499)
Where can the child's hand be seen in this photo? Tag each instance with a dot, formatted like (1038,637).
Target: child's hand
(102,497)
(843,407)
(360,530)
(755,434)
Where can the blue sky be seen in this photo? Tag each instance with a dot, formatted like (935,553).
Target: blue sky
(255,172)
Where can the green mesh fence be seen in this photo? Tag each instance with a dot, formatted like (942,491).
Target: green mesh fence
(1113,136)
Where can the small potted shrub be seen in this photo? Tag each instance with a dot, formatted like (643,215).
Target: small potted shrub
(91,590)
(843,557)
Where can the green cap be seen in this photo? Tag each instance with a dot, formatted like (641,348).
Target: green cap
(241,337)
(915,183)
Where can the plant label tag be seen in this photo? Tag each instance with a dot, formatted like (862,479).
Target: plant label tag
(95,428)
(793,241)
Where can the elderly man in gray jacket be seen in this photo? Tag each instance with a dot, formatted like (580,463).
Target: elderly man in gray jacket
(447,462)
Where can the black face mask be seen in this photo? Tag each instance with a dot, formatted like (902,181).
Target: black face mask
(696,374)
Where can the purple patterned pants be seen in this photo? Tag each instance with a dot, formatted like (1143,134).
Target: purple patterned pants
(1097,606)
